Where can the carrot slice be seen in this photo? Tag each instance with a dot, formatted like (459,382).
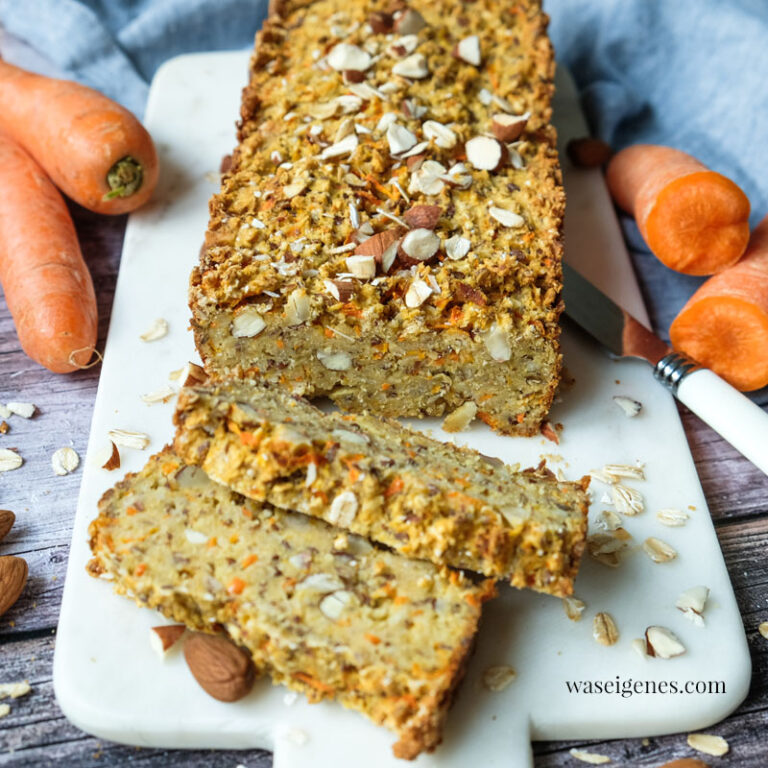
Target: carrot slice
(724,325)
(694,220)
(47,286)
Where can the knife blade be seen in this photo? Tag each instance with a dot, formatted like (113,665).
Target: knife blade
(740,421)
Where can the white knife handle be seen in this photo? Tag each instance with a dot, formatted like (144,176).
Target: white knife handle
(732,415)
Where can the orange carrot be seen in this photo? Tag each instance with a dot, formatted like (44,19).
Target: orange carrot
(47,286)
(693,219)
(94,150)
(724,325)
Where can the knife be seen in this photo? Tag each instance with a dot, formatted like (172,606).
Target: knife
(740,421)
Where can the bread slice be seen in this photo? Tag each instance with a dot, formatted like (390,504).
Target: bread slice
(320,611)
(373,241)
(383,481)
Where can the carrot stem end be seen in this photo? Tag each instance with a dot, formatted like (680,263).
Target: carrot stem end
(124,178)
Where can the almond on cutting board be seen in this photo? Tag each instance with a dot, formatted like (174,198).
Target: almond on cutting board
(222,670)
(7,519)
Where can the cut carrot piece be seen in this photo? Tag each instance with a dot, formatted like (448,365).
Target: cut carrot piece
(694,220)
(724,325)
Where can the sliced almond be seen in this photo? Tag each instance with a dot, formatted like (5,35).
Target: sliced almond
(294,188)
(413,109)
(378,244)
(604,629)
(361,266)
(414,67)
(441,134)
(247,323)
(640,647)
(420,244)
(663,643)
(418,292)
(346,56)
(381,22)
(429,178)
(630,407)
(459,419)
(457,247)
(349,103)
(297,307)
(399,138)
(323,110)
(506,218)
(157,330)
(409,22)
(423,216)
(64,460)
(9,460)
(484,153)
(333,606)
(468,50)
(163,638)
(573,608)
(113,462)
(387,119)
(344,147)
(708,743)
(334,361)
(673,518)
(25,410)
(499,677)
(345,127)
(497,343)
(162,395)
(127,439)
(343,509)
(341,290)
(509,127)
(659,551)
(692,603)
(459,175)
(589,757)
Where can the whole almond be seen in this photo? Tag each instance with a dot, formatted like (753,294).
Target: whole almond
(423,216)
(13,577)
(7,519)
(222,670)
(588,152)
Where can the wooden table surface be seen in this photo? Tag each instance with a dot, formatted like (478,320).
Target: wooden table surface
(36,733)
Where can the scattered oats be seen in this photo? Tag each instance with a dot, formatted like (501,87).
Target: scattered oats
(468,50)
(363,267)
(708,743)
(344,147)
(345,56)
(400,139)
(297,307)
(162,395)
(457,247)
(248,323)
(506,218)
(608,520)
(692,603)
(573,608)
(126,439)
(663,643)
(601,476)
(443,136)
(421,244)
(497,343)
(640,647)
(413,67)
(25,410)
(4,710)
(9,460)
(674,518)
(604,629)
(499,677)
(311,474)
(627,500)
(418,292)
(606,498)
(658,550)
(589,757)
(334,361)
(64,461)
(14,690)
(625,470)
(763,629)
(628,405)
(461,418)
(297,736)
(606,548)
(333,605)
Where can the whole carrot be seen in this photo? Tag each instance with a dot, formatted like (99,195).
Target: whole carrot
(694,220)
(47,286)
(724,325)
(94,150)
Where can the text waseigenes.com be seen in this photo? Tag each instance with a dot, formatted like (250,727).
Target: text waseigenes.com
(627,687)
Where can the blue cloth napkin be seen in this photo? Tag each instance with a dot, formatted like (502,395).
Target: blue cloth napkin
(692,74)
